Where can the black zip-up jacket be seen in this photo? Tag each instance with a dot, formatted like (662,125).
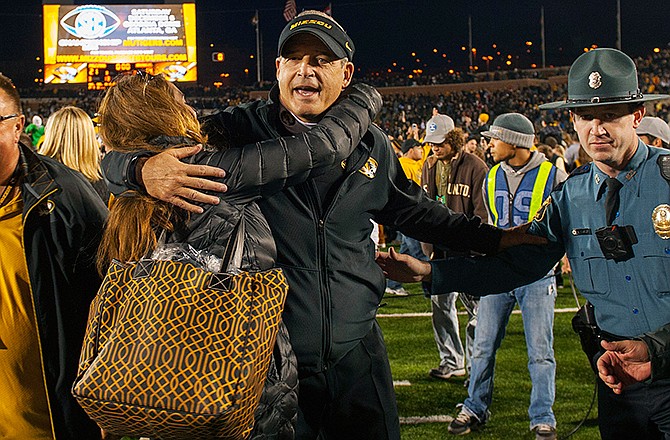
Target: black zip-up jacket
(63,218)
(335,286)
(326,252)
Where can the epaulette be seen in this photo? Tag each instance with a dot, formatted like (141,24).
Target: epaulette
(663,162)
(580,170)
(576,172)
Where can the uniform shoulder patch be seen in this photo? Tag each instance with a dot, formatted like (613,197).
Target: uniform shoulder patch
(539,215)
(663,162)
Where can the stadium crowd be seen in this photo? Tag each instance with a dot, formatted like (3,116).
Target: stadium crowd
(401,110)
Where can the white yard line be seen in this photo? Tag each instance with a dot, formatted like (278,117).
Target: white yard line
(417,315)
(425,419)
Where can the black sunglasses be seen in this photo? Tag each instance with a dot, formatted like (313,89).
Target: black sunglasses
(4,118)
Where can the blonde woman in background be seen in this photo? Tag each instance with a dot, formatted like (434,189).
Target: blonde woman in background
(70,138)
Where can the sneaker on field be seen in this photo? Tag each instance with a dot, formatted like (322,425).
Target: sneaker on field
(464,423)
(400,291)
(544,431)
(445,372)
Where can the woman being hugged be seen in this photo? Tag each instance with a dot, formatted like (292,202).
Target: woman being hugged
(144,113)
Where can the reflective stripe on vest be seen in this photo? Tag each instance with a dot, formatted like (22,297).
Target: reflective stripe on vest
(538,188)
(534,187)
(491,191)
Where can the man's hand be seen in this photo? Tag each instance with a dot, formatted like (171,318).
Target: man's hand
(166,178)
(623,364)
(402,267)
(565,265)
(519,235)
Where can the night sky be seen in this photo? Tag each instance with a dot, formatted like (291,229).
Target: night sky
(386,31)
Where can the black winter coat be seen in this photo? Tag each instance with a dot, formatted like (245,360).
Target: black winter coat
(63,218)
(326,252)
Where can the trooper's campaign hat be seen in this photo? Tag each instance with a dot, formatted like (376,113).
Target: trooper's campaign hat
(602,77)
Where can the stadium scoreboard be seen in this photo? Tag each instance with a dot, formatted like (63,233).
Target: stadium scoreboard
(92,44)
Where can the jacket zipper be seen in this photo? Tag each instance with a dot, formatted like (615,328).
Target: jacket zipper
(323,274)
(324,288)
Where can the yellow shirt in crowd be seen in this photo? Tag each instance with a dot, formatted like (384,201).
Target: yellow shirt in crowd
(24,412)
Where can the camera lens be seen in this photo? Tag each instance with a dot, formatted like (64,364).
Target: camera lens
(610,243)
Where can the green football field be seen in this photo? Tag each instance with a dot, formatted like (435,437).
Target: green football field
(425,404)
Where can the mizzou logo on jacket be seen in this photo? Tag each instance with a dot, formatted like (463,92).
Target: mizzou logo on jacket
(369,170)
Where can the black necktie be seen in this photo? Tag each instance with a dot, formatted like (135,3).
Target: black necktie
(612,199)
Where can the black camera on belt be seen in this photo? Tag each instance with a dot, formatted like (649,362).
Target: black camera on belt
(617,242)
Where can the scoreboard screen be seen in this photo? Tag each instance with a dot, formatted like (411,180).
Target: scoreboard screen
(91,43)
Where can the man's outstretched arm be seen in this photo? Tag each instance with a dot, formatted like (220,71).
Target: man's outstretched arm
(477,276)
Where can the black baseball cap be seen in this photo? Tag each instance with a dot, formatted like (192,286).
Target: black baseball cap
(325,29)
(409,144)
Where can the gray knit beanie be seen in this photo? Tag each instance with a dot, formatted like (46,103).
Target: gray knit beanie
(512,128)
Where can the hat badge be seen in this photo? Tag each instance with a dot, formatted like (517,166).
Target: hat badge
(432,127)
(595,80)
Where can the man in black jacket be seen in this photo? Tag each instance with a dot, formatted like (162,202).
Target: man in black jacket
(50,224)
(322,230)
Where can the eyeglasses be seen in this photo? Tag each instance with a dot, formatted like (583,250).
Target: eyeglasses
(4,118)
(147,77)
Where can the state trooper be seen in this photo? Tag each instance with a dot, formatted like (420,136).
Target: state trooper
(612,218)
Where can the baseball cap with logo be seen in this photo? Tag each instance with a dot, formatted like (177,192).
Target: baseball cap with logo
(602,77)
(437,128)
(325,28)
(655,127)
(512,128)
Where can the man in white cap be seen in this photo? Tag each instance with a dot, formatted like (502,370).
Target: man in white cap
(612,217)
(453,177)
(654,131)
(437,128)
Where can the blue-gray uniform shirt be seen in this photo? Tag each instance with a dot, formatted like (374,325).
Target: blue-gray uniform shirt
(630,297)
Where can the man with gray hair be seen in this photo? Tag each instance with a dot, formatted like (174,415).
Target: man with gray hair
(51,220)
(322,231)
